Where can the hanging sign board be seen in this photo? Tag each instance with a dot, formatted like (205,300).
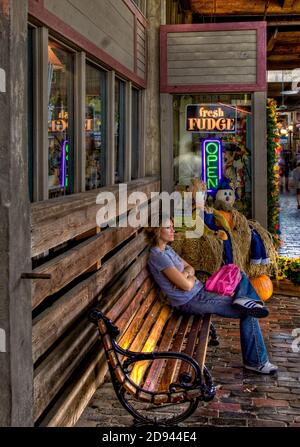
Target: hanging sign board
(211,118)
(211,163)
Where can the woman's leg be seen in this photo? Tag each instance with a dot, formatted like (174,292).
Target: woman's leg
(253,348)
(246,290)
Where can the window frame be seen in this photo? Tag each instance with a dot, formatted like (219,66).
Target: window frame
(72,124)
(39,175)
(104,117)
(123,131)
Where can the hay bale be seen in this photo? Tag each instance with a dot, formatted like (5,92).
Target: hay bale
(204,253)
(270,269)
(241,240)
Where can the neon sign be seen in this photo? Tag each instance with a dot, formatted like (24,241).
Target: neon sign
(211,163)
(211,118)
(64,183)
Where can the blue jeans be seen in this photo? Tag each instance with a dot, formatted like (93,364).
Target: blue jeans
(254,351)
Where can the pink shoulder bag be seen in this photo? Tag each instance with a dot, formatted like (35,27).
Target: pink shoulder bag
(225,280)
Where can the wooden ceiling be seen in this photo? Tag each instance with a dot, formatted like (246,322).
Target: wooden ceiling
(245,7)
(282,16)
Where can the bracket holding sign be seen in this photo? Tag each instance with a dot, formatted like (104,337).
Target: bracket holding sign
(211,163)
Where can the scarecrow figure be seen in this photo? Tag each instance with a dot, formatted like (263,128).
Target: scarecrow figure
(222,217)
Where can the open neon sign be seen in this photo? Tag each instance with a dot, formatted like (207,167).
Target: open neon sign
(211,163)
(64,164)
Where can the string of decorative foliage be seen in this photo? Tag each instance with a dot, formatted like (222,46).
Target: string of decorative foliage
(273,178)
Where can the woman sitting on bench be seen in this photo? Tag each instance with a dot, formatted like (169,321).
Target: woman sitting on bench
(177,280)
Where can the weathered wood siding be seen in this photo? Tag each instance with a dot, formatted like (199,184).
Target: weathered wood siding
(212,57)
(141,49)
(108,24)
(87,268)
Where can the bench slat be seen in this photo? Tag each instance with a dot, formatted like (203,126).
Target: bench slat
(137,331)
(157,367)
(170,368)
(132,308)
(191,343)
(140,368)
(201,349)
(122,302)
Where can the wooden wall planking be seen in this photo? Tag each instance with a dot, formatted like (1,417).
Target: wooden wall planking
(65,345)
(209,70)
(227,48)
(59,220)
(51,324)
(74,262)
(218,55)
(208,80)
(63,360)
(67,409)
(109,25)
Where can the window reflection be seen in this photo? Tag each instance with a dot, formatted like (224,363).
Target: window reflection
(236,147)
(95,128)
(135,135)
(60,111)
(119,130)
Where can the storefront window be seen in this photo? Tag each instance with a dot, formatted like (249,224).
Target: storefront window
(60,120)
(119,130)
(135,135)
(234,138)
(95,127)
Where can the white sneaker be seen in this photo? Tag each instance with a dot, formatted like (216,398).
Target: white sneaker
(251,307)
(267,368)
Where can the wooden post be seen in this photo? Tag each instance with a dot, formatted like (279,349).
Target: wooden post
(110,168)
(259,162)
(40,114)
(79,143)
(16,368)
(128,139)
(166,144)
(152,147)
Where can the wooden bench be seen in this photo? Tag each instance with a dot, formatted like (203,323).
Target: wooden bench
(159,358)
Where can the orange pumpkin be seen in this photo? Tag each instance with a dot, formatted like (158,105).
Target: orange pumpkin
(263,286)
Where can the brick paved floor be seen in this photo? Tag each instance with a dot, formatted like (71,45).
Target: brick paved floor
(290,225)
(243,398)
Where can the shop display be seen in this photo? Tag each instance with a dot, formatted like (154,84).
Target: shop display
(60,87)
(215,129)
(236,239)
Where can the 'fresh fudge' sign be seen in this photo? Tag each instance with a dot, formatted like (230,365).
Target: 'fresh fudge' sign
(211,118)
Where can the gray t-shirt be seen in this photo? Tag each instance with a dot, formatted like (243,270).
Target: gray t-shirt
(160,260)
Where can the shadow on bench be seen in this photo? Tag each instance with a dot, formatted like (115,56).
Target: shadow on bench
(162,378)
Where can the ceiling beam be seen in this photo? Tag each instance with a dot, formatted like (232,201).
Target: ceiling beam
(284,22)
(272,40)
(287,49)
(288,37)
(243,7)
(283,65)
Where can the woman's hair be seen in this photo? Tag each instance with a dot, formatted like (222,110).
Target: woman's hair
(153,232)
